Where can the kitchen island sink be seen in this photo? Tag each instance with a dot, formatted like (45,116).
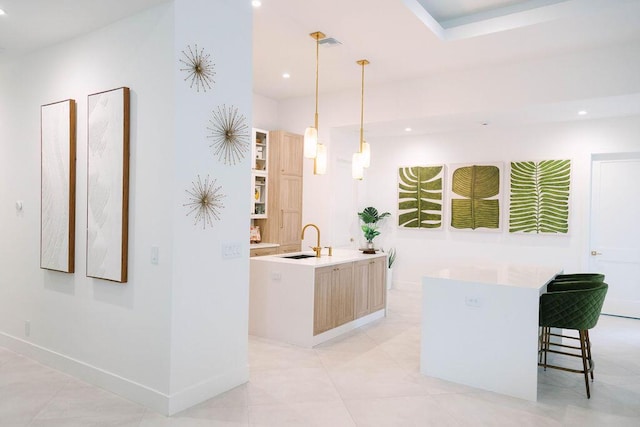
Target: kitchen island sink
(299,256)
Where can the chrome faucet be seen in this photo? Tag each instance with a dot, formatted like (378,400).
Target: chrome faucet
(317,249)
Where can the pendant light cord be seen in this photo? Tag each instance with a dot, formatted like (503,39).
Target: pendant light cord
(362,110)
(317,37)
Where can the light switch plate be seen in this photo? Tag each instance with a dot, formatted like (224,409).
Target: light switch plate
(231,250)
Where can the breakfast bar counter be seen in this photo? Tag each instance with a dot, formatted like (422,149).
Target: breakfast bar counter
(480,325)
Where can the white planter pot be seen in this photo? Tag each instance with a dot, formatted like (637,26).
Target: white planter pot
(389,278)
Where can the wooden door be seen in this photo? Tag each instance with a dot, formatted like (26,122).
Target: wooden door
(615,230)
(361,288)
(291,154)
(322,316)
(342,292)
(290,210)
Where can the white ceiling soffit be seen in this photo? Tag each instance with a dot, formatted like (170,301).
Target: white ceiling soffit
(449,23)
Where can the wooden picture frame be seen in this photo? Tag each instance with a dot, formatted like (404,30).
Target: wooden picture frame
(108,184)
(58,185)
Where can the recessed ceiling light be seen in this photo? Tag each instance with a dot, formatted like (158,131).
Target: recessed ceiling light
(286,75)
(582,113)
(2,12)
(407,129)
(256,3)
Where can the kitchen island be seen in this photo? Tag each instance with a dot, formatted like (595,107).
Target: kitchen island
(304,300)
(480,325)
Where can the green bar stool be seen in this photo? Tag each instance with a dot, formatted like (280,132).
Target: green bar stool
(579,277)
(576,306)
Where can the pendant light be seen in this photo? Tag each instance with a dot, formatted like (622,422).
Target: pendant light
(311,133)
(320,162)
(361,159)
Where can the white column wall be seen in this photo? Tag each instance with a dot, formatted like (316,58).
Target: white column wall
(210,295)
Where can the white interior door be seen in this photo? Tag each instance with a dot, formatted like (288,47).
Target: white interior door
(615,230)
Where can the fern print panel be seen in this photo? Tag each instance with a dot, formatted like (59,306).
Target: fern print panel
(420,196)
(539,199)
(475,196)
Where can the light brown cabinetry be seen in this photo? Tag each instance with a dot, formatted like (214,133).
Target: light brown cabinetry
(370,285)
(333,297)
(263,251)
(284,182)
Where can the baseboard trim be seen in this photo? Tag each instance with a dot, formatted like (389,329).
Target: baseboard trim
(153,399)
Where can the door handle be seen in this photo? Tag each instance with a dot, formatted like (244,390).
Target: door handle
(594,253)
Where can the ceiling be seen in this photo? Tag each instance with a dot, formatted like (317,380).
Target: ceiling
(401,46)
(403,39)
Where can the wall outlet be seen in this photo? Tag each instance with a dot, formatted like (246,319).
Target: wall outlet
(276,276)
(473,301)
(155,254)
(231,250)
(27,328)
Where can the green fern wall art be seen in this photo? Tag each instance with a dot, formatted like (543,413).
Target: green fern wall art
(539,200)
(420,196)
(475,197)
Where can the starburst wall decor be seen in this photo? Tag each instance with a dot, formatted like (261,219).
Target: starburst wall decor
(205,200)
(199,68)
(229,134)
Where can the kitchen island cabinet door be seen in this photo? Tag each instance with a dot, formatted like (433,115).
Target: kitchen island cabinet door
(333,297)
(361,288)
(370,286)
(342,293)
(377,284)
(322,318)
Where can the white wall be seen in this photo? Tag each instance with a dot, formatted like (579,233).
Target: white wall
(570,140)
(524,91)
(176,332)
(265,113)
(106,326)
(210,294)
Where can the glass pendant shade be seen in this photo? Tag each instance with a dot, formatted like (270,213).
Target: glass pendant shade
(310,142)
(320,163)
(357,168)
(366,154)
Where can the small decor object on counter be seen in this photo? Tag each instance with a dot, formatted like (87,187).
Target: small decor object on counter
(370,217)
(198,67)
(205,200)
(255,234)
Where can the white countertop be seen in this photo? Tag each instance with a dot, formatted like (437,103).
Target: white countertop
(263,245)
(339,256)
(522,276)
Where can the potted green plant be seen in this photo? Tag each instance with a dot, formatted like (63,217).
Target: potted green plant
(391,258)
(370,218)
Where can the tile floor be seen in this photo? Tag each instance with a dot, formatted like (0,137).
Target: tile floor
(368,378)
